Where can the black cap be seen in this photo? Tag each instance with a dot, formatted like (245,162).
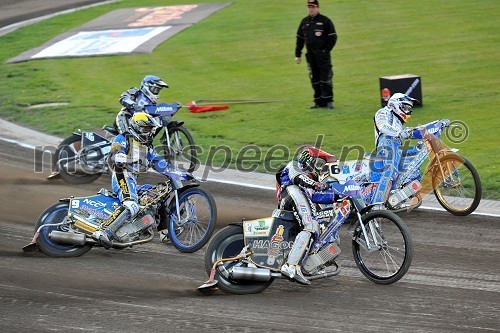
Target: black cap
(312,3)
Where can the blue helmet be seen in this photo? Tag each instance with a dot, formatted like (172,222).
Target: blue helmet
(151,86)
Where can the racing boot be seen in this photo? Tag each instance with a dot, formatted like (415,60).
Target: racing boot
(291,269)
(105,236)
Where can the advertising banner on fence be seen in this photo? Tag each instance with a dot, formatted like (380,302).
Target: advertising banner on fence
(123,31)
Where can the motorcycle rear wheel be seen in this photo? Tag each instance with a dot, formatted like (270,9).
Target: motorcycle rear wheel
(69,148)
(227,243)
(460,192)
(55,214)
(392,259)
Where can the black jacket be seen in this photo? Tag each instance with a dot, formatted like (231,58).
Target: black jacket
(317,34)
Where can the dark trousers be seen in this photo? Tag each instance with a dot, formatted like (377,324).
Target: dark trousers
(321,75)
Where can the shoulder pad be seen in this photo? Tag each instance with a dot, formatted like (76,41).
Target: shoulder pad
(133,91)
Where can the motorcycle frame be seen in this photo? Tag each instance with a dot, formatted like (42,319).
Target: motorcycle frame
(431,144)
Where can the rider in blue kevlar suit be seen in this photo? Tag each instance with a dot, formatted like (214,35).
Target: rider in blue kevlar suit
(389,133)
(131,154)
(296,178)
(135,100)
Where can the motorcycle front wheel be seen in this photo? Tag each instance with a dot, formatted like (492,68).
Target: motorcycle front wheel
(66,162)
(53,215)
(182,152)
(228,243)
(198,215)
(391,252)
(460,190)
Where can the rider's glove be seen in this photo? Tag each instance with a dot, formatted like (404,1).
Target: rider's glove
(120,159)
(138,108)
(405,134)
(179,105)
(445,122)
(321,187)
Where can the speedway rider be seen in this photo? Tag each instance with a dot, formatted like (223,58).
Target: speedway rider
(295,179)
(389,133)
(135,100)
(131,154)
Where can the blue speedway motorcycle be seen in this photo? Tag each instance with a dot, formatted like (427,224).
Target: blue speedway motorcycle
(81,158)
(245,257)
(178,205)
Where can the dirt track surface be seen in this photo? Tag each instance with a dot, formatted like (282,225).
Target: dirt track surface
(453,284)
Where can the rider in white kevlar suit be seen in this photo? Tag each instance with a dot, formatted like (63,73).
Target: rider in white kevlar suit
(295,179)
(389,133)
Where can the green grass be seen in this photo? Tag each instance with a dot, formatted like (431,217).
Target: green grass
(247,51)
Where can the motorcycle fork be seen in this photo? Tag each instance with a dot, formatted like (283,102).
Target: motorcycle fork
(366,244)
(177,207)
(167,137)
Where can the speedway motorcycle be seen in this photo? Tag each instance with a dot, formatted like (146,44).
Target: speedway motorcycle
(453,179)
(178,205)
(245,257)
(81,158)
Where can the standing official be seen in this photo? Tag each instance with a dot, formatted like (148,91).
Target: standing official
(317,33)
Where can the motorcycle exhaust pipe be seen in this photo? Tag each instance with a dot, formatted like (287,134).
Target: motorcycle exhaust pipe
(251,273)
(68,238)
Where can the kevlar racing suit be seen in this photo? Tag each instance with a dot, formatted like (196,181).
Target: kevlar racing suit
(132,100)
(319,36)
(134,158)
(389,133)
(295,181)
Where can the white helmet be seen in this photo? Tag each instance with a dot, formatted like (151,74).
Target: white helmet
(401,105)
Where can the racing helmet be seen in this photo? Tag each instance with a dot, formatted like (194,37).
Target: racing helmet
(143,127)
(401,105)
(151,86)
(307,159)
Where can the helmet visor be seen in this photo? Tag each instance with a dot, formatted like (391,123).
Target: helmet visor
(144,129)
(406,108)
(154,89)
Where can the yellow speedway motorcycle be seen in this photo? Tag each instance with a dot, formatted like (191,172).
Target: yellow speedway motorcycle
(245,257)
